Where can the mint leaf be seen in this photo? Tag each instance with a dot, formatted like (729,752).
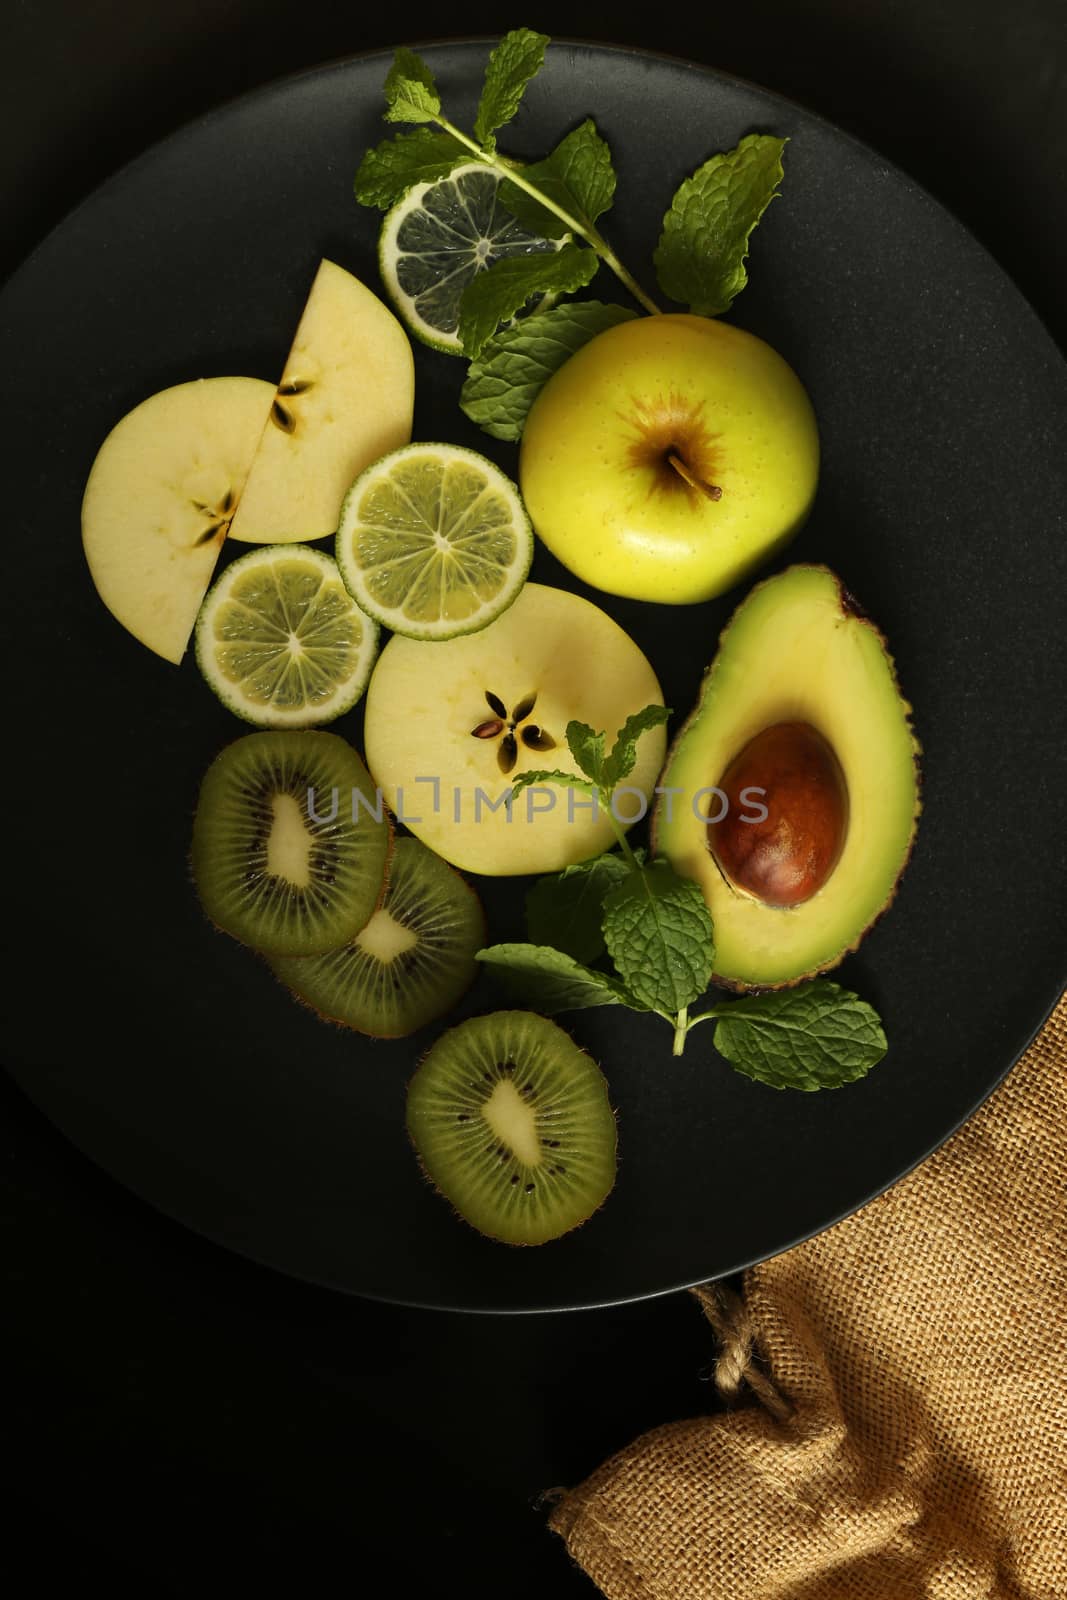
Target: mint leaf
(623,757)
(565,910)
(516,59)
(410,91)
(514,366)
(569,780)
(496,294)
(658,933)
(587,748)
(387,172)
(700,258)
(550,981)
(578,176)
(815,1037)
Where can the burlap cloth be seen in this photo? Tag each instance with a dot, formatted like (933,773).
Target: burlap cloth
(914,1360)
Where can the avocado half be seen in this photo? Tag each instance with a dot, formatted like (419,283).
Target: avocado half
(797,649)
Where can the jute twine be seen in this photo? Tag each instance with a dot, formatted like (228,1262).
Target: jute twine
(736,1364)
(897,1386)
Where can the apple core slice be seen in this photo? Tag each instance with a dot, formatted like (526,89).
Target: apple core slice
(159,500)
(344,400)
(450,725)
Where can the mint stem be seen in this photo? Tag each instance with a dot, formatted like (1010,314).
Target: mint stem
(681,1028)
(703,1016)
(624,844)
(590,235)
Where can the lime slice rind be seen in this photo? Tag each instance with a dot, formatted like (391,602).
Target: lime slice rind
(435,240)
(280,640)
(434,541)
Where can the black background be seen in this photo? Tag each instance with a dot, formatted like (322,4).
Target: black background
(179,1420)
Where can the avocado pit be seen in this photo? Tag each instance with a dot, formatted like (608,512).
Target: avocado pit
(791,773)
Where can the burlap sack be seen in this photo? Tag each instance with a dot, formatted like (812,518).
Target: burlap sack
(920,1353)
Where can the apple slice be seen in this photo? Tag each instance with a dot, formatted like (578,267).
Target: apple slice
(451,722)
(345,399)
(160,497)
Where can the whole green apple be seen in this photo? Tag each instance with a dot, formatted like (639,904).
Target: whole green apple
(668,456)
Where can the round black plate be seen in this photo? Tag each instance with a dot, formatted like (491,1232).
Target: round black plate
(171,1056)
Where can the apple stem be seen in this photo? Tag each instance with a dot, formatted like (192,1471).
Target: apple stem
(712,490)
(589,234)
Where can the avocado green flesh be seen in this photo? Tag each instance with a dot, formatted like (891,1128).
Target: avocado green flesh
(794,651)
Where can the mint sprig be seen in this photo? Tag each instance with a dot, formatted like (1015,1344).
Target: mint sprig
(814,1037)
(608,771)
(492,297)
(600,774)
(587,748)
(516,60)
(578,176)
(656,928)
(658,933)
(623,757)
(411,96)
(410,91)
(565,780)
(551,981)
(516,363)
(700,258)
(391,168)
(567,911)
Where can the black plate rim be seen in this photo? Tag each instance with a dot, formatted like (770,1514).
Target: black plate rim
(607,1303)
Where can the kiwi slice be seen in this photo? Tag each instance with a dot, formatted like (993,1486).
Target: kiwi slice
(412,961)
(513,1125)
(290,842)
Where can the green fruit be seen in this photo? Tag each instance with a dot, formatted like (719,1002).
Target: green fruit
(513,1125)
(281,641)
(800,717)
(437,239)
(411,963)
(668,456)
(345,398)
(434,541)
(160,499)
(288,855)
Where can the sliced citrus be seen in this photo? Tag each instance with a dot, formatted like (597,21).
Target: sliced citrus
(434,541)
(439,237)
(281,641)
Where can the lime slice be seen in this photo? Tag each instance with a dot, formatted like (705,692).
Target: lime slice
(437,238)
(434,541)
(281,641)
